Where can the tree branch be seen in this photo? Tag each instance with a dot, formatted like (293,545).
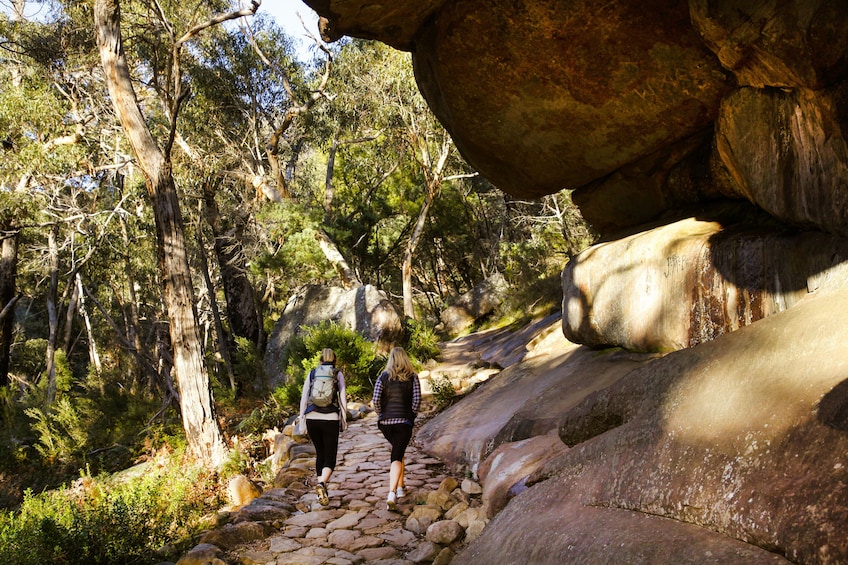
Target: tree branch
(220,18)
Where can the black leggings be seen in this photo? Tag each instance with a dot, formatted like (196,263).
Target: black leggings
(398,436)
(325,437)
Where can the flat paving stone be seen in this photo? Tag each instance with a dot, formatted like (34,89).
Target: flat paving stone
(356,526)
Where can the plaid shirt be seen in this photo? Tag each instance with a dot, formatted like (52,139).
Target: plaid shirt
(416,401)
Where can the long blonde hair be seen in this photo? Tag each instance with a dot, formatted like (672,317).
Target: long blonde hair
(399,366)
(328,355)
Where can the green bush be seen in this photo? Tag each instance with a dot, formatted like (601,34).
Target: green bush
(62,431)
(247,365)
(270,414)
(110,522)
(357,358)
(422,343)
(443,393)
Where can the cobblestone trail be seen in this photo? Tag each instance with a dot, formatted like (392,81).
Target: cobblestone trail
(356,526)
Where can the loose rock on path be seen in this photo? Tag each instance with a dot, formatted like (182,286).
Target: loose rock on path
(435,518)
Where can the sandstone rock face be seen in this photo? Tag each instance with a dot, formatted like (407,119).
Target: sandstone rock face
(693,280)
(474,304)
(732,451)
(505,472)
(523,401)
(787,153)
(365,309)
(771,43)
(641,107)
(393,23)
(557,94)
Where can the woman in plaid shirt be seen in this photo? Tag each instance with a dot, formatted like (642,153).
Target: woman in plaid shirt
(397,396)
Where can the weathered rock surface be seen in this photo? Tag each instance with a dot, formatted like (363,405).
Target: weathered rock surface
(474,304)
(642,107)
(783,44)
(536,124)
(524,400)
(505,472)
(365,309)
(786,152)
(691,281)
(741,439)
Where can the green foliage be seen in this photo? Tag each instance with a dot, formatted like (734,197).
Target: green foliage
(295,258)
(237,462)
(422,343)
(108,521)
(62,431)
(28,358)
(357,358)
(273,413)
(443,392)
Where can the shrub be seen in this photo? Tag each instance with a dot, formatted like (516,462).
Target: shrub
(62,431)
(422,342)
(247,365)
(355,356)
(109,522)
(443,392)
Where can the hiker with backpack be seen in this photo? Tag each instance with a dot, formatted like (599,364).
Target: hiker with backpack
(323,403)
(397,397)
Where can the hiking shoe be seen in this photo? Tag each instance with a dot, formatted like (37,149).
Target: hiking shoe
(321,491)
(399,492)
(391,502)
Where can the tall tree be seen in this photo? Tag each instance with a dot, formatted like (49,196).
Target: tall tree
(202,432)
(9,234)
(244,310)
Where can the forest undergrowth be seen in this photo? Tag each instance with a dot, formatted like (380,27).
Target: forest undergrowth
(153,507)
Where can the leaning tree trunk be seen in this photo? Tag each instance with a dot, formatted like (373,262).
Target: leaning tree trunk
(243,309)
(52,315)
(409,254)
(93,356)
(221,336)
(8,277)
(203,435)
(434,175)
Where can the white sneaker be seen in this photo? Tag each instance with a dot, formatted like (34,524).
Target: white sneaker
(399,492)
(391,502)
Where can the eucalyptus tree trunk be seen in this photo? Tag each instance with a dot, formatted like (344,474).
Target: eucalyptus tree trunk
(8,278)
(243,308)
(131,316)
(52,314)
(409,255)
(221,339)
(434,175)
(93,356)
(70,312)
(203,435)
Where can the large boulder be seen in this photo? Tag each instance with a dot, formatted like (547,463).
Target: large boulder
(641,107)
(552,94)
(786,151)
(680,284)
(732,451)
(474,304)
(524,400)
(365,309)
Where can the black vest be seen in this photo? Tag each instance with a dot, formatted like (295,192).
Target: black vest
(396,399)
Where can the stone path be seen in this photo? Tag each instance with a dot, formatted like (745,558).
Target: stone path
(431,522)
